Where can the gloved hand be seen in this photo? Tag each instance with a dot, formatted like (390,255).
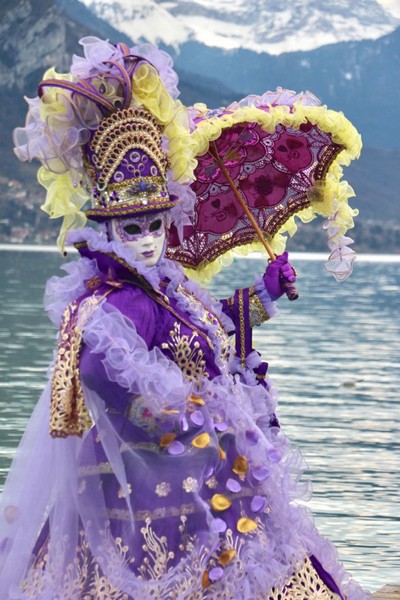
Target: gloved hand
(277,273)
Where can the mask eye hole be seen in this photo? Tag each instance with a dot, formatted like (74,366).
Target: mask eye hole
(132,229)
(155,225)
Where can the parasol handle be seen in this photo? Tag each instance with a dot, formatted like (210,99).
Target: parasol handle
(290,289)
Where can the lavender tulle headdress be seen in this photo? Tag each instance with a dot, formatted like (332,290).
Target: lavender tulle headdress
(113,132)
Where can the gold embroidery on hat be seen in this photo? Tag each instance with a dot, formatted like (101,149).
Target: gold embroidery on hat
(128,129)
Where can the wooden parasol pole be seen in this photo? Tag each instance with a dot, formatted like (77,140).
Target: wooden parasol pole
(290,291)
(214,153)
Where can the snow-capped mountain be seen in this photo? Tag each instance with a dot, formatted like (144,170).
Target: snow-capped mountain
(270,26)
(360,77)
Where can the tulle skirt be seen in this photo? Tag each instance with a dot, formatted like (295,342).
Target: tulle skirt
(143,508)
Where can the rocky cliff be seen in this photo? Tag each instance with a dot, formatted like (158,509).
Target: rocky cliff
(34,34)
(37,34)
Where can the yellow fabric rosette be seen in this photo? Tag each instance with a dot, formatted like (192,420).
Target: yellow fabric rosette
(63,199)
(149,91)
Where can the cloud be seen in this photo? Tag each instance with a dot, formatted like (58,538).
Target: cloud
(392,6)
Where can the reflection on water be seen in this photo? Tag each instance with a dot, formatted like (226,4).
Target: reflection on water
(334,357)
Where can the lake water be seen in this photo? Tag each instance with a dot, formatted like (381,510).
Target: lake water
(334,356)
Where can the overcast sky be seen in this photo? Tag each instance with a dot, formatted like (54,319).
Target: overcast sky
(392,5)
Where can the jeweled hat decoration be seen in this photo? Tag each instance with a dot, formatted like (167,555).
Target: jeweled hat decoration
(111,131)
(127,166)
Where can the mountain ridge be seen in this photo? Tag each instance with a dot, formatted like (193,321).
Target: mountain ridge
(50,34)
(360,78)
(270,26)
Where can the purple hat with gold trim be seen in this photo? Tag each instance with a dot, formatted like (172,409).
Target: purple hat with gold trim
(127,166)
(112,132)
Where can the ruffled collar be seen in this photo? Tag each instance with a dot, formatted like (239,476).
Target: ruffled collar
(113,258)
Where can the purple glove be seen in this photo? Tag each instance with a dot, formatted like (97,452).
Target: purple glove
(279,272)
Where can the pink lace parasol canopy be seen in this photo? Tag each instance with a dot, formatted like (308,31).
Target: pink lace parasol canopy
(272,172)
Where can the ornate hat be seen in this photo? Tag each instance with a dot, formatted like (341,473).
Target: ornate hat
(111,131)
(127,166)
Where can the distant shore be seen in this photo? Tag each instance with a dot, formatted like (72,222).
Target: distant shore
(365,257)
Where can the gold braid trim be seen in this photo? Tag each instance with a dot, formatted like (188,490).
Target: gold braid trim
(242,329)
(68,413)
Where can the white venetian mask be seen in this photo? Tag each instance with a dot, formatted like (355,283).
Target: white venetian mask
(145,235)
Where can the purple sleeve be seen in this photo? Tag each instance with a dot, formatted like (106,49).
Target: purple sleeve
(266,300)
(228,310)
(231,309)
(118,362)
(135,304)
(93,375)
(249,307)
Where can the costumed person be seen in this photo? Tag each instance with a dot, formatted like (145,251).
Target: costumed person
(165,473)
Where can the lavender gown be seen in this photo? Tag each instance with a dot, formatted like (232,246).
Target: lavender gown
(183,485)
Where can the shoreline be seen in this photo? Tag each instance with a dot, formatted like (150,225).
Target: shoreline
(362,257)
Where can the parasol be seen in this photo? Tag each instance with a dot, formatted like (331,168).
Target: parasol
(262,162)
